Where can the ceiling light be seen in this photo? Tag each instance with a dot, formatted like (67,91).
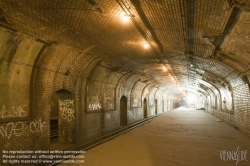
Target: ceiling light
(125,18)
(146,45)
(191,65)
(164,68)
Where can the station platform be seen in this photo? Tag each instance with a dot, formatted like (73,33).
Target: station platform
(181,137)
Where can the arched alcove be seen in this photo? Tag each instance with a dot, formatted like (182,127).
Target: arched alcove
(62,117)
(155,106)
(123,111)
(145,108)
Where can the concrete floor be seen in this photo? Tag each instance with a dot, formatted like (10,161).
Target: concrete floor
(181,137)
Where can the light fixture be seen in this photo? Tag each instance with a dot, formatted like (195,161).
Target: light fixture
(164,68)
(191,65)
(125,17)
(146,45)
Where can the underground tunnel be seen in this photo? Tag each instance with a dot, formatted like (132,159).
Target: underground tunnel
(155,83)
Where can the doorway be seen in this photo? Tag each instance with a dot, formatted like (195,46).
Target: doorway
(145,110)
(155,106)
(62,117)
(123,111)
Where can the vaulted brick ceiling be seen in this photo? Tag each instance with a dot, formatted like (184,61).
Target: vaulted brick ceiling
(202,43)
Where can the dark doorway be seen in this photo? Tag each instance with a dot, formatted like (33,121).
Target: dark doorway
(123,111)
(155,106)
(54,119)
(145,110)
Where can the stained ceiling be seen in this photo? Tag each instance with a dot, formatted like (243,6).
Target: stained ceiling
(203,44)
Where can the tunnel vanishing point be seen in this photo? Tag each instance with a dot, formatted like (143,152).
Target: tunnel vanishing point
(73,72)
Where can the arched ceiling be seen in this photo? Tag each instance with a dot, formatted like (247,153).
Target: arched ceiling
(201,43)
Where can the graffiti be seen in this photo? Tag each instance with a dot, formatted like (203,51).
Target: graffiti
(15,111)
(66,103)
(94,107)
(16,129)
(66,108)
(110,106)
(108,116)
(12,129)
(67,114)
(37,126)
(130,115)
